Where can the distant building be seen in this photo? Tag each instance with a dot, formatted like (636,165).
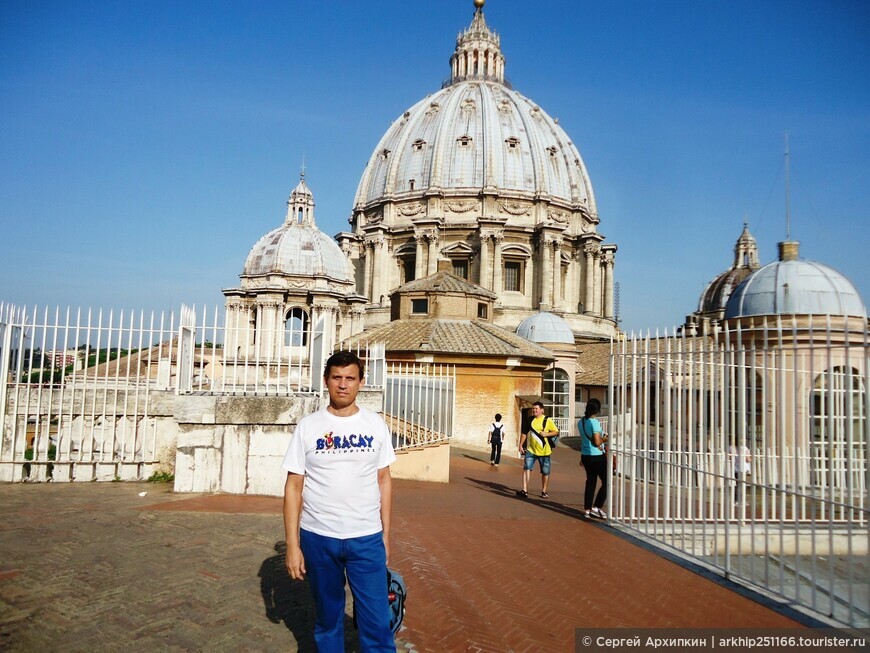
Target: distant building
(711,306)
(474,239)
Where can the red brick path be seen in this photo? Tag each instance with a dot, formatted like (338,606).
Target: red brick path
(488,571)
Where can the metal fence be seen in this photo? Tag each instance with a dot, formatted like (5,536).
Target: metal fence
(81,392)
(419,403)
(748,450)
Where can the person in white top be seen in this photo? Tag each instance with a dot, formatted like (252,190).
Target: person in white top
(741,465)
(337,508)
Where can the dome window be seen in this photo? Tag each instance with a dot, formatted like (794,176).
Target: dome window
(419,144)
(552,150)
(464,140)
(512,142)
(411,183)
(385,153)
(296,328)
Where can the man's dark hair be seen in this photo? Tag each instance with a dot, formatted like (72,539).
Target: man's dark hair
(498,417)
(343,359)
(539,403)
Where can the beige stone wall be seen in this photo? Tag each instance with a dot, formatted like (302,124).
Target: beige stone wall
(483,391)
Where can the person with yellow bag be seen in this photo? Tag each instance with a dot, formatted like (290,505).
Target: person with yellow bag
(537,445)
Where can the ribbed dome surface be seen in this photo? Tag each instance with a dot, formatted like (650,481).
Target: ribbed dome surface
(297,249)
(795,287)
(471,135)
(546,327)
(717,292)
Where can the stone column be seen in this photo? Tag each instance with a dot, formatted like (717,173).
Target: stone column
(497,264)
(433,253)
(266,330)
(608,285)
(418,261)
(485,270)
(557,273)
(596,291)
(588,301)
(369,265)
(547,273)
(378,269)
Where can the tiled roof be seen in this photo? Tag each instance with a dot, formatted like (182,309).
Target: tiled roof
(445,282)
(593,364)
(451,337)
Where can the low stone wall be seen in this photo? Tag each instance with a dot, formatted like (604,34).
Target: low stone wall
(236,444)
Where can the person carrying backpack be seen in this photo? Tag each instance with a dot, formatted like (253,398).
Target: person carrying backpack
(495,439)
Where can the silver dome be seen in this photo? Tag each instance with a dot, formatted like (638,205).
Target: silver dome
(545,327)
(795,287)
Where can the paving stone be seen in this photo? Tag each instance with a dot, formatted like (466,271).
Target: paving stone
(95,567)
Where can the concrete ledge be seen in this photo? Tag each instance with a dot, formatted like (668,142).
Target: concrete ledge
(430,463)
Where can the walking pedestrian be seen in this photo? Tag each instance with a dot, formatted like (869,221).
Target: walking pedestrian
(535,446)
(495,440)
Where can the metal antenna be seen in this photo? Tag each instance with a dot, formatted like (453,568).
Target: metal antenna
(616,303)
(787,194)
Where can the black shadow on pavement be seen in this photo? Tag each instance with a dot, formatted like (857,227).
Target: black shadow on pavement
(510,492)
(290,601)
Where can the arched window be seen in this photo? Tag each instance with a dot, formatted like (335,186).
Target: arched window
(296,328)
(837,427)
(556,392)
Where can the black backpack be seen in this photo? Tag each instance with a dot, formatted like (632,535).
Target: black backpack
(496,433)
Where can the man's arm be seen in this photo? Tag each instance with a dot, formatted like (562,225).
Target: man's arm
(385,484)
(522,441)
(292,510)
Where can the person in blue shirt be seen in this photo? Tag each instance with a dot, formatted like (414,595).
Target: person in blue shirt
(593,459)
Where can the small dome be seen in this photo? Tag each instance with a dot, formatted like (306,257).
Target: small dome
(793,287)
(716,294)
(298,247)
(546,327)
(298,250)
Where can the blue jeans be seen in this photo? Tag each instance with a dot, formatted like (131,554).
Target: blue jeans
(363,561)
(529,463)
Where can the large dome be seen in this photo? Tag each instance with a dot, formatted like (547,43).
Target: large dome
(472,135)
(476,133)
(793,287)
(298,247)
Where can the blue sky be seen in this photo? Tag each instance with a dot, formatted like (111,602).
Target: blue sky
(146,145)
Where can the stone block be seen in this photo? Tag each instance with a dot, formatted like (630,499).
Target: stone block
(203,436)
(270,441)
(234,463)
(265,476)
(191,409)
(184,465)
(206,469)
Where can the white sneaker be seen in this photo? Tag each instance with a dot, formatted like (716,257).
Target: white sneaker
(598,512)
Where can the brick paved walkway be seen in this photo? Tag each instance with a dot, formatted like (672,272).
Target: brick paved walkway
(96,567)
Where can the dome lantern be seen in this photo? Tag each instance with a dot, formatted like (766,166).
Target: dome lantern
(478,52)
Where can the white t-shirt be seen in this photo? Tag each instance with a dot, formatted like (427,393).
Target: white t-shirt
(340,458)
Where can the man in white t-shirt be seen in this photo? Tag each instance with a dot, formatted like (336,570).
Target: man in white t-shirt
(337,506)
